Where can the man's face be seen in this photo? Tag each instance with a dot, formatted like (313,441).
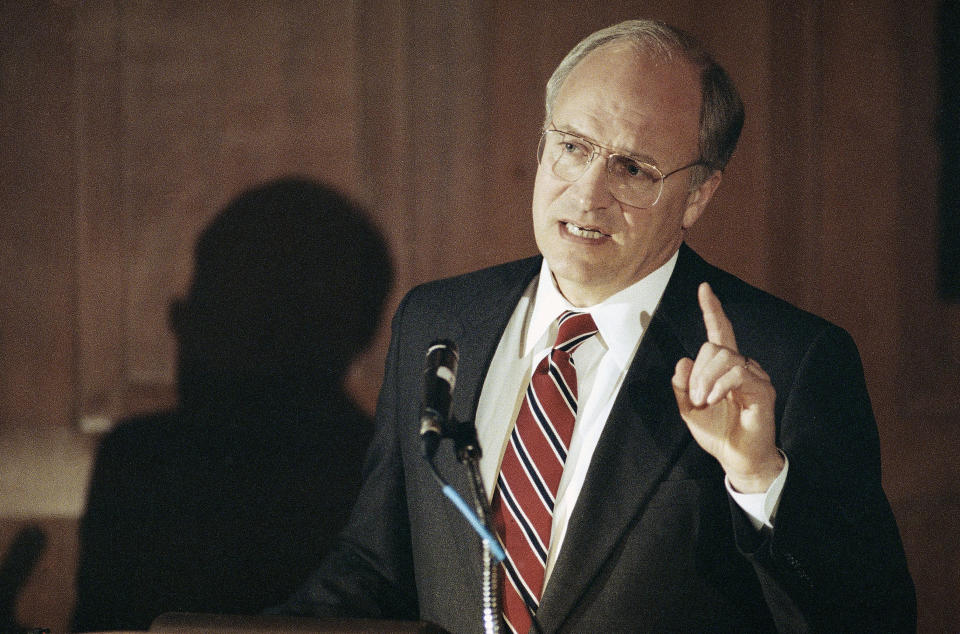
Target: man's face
(619,98)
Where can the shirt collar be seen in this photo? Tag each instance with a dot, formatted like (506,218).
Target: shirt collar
(621,318)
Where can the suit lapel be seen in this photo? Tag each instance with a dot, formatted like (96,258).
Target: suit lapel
(642,439)
(480,325)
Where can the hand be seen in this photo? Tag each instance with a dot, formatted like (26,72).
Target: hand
(727,402)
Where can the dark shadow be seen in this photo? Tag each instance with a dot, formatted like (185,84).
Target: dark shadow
(17,565)
(949,137)
(227,503)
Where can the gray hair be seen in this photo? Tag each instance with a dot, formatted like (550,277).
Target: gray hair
(721,110)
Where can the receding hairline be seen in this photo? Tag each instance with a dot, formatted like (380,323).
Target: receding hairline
(660,59)
(657,40)
(616,63)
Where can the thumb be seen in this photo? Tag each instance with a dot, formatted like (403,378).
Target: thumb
(681,385)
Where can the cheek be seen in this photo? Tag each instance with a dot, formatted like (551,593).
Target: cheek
(636,231)
(545,192)
(641,227)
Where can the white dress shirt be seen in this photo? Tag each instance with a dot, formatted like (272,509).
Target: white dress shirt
(602,363)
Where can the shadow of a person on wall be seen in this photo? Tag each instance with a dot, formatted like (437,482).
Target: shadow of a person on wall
(227,503)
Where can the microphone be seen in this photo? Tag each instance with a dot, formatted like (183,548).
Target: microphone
(438,381)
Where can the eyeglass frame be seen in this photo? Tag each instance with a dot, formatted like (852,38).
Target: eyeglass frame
(595,151)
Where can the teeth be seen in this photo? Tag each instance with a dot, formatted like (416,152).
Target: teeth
(583,233)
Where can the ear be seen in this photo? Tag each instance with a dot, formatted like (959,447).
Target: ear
(697,199)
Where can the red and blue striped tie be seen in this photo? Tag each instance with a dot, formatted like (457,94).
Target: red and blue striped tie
(531,469)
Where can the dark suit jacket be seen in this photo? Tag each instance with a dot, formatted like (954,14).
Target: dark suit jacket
(654,543)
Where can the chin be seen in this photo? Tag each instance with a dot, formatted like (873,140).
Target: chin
(577,277)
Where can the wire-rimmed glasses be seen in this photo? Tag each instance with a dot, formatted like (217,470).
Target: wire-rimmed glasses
(630,180)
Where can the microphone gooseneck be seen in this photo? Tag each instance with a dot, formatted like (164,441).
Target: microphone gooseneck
(439,378)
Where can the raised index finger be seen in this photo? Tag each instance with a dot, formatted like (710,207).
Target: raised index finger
(719,328)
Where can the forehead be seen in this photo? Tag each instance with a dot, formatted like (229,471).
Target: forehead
(633,101)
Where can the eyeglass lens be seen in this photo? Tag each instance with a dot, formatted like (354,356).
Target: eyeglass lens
(630,181)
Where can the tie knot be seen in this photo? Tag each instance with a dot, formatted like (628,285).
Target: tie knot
(575,328)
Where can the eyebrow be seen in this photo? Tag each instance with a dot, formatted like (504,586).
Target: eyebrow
(639,156)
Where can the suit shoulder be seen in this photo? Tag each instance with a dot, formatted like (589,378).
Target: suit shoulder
(746,301)
(763,323)
(771,314)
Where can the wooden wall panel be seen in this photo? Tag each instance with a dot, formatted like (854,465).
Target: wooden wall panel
(794,170)
(930,339)
(384,164)
(36,204)
(99,222)
(172,123)
(860,129)
(732,232)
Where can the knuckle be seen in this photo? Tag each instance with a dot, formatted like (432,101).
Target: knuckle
(710,349)
(726,355)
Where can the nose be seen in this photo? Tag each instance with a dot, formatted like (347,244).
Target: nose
(591,189)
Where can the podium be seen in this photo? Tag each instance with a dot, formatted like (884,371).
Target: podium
(190,623)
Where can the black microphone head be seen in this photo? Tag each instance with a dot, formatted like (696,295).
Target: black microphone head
(439,378)
(442,352)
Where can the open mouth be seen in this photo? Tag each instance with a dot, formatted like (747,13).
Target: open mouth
(582,232)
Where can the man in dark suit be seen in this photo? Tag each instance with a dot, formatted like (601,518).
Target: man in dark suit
(723,471)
